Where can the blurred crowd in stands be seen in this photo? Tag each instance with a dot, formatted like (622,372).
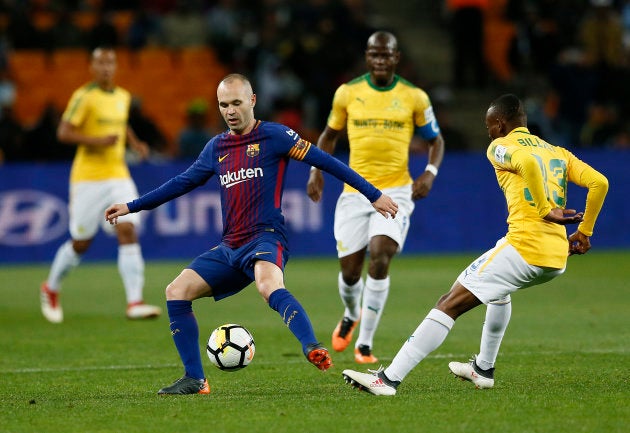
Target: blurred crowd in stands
(296,53)
(569,59)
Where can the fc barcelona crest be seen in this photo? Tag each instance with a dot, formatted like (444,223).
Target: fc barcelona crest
(301,144)
(253,150)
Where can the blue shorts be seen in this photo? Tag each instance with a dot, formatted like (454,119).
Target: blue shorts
(228,271)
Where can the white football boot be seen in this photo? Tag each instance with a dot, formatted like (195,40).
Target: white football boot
(140,310)
(470,371)
(51,308)
(375,382)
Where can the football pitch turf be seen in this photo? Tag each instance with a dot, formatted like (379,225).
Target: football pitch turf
(564,365)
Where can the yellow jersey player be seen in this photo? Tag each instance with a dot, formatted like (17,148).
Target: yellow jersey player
(380,112)
(533,175)
(96,121)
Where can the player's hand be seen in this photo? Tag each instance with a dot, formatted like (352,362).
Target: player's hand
(422,185)
(386,206)
(114,211)
(142,149)
(564,216)
(106,140)
(315,185)
(579,243)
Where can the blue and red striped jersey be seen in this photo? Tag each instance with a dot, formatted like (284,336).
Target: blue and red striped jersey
(251,169)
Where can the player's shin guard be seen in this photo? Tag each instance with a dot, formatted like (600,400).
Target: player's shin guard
(427,337)
(497,319)
(65,260)
(131,269)
(351,297)
(185,332)
(294,316)
(375,296)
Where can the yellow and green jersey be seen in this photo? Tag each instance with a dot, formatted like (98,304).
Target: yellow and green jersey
(533,175)
(97,112)
(380,123)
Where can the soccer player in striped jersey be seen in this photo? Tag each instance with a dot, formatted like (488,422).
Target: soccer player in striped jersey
(380,111)
(250,161)
(96,122)
(534,176)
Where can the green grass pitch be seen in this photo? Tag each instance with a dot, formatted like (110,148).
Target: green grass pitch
(564,365)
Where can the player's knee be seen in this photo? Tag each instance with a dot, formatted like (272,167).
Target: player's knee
(176,291)
(126,233)
(80,247)
(351,276)
(265,289)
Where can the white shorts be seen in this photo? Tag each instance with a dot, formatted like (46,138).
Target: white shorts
(356,220)
(501,271)
(88,201)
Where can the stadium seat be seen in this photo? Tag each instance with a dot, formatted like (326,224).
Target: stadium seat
(85,20)
(122,21)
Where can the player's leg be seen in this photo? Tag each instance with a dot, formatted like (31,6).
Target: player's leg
(351,287)
(492,277)
(211,274)
(480,369)
(84,221)
(130,259)
(375,294)
(352,215)
(497,318)
(269,279)
(498,315)
(387,237)
(131,269)
(427,337)
(180,293)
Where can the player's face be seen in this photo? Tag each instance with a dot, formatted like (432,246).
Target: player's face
(236,104)
(104,66)
(494,125)
(381,58)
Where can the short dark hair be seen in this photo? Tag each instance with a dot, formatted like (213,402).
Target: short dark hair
(509,107)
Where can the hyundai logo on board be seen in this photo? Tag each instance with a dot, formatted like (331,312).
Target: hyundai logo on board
(30,217)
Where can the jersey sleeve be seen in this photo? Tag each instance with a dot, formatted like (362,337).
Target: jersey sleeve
(316,157)
(424,117)
(303,150)
(339,114)
(521,162)
(196,175)
(77,108)
(586,176)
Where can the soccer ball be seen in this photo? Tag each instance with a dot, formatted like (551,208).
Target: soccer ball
(230,347)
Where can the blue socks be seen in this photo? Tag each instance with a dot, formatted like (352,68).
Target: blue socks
(185,334)
(185,331)
(294,316)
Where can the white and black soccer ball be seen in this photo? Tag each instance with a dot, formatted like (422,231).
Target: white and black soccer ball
(231,347)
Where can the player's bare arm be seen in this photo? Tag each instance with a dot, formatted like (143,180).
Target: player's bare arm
(326,142)
(114,211)
(137,145)
(422,184)
(386,206)
(564,216)
(69,134)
